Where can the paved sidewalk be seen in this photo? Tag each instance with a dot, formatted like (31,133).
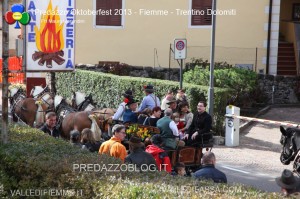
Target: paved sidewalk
(259,149)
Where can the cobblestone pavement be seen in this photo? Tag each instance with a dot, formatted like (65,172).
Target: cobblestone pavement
(259,147)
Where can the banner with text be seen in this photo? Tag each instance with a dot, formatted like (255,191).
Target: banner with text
(50,35)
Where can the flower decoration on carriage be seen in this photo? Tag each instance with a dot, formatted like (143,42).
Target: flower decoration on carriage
(17,15)
(141,132)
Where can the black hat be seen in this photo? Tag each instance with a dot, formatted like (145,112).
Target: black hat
(129,101)
(128,93)
(149,88)
(287,180)
(157,139)
(136,141)
(171,101)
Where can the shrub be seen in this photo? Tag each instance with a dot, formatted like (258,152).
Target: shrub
(242,82)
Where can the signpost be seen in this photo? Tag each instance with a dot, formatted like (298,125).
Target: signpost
(180,46)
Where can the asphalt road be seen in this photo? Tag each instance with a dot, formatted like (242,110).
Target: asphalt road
(262,180)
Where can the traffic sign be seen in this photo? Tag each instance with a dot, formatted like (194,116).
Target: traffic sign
(180,48)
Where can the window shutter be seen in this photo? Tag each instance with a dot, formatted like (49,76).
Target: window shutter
(201,5)
(109,20)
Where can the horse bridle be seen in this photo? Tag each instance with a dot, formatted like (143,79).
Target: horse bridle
(292,148)
(41,95)
(83,105)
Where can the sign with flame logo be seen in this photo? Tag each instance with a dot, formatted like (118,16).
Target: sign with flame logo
(50,35)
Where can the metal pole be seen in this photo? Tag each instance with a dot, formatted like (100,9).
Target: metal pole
(5,55)
(24,50)
(181,64)
(212,60)
(256,50)
(170,61)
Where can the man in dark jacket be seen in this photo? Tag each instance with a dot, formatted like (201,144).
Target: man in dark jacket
(201,124)
(50,126)
(139,157)
(208,171)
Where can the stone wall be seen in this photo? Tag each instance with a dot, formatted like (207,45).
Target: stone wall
(280,89)
(134,71)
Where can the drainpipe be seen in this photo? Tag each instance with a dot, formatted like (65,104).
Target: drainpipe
(269,36)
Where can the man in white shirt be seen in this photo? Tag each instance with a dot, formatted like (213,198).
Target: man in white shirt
(121,109)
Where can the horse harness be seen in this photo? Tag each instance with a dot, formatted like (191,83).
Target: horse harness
(83,105)
(41,96)
(15,101)
(293,148)
(62,111)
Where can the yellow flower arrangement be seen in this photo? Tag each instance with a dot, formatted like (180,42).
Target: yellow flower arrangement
(134,129)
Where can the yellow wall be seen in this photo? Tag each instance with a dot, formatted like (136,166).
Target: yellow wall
(134,44)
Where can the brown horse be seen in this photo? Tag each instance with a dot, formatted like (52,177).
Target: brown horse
(81,102)
(69,119)
(23,109)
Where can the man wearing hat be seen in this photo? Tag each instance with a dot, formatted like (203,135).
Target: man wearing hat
(113,147)
(130,114)
(138,156)
(288,182)
(172,104)
(150,100)
(119,114)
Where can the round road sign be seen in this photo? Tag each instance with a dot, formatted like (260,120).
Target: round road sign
(180,45)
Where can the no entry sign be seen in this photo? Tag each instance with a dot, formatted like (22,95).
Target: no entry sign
(180,48)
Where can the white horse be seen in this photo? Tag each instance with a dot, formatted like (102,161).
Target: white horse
(41,93)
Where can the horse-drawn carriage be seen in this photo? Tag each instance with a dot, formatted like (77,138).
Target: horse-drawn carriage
(189,155)
(78,114)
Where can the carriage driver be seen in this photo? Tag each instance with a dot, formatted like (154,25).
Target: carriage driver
(150,100)
(50,125)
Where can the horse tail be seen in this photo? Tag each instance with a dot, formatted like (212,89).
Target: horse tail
(95,128)
(40,114)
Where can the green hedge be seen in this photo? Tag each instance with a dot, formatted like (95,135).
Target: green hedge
(35,161)
(243,82)
(107,90)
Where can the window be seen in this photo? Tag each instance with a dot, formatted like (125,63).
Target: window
(296,11)
(108,13)
(201,12)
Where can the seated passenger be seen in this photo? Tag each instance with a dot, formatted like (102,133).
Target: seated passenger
(130,115)
(121,109)
(155,116)
(169,131)
(201,124)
